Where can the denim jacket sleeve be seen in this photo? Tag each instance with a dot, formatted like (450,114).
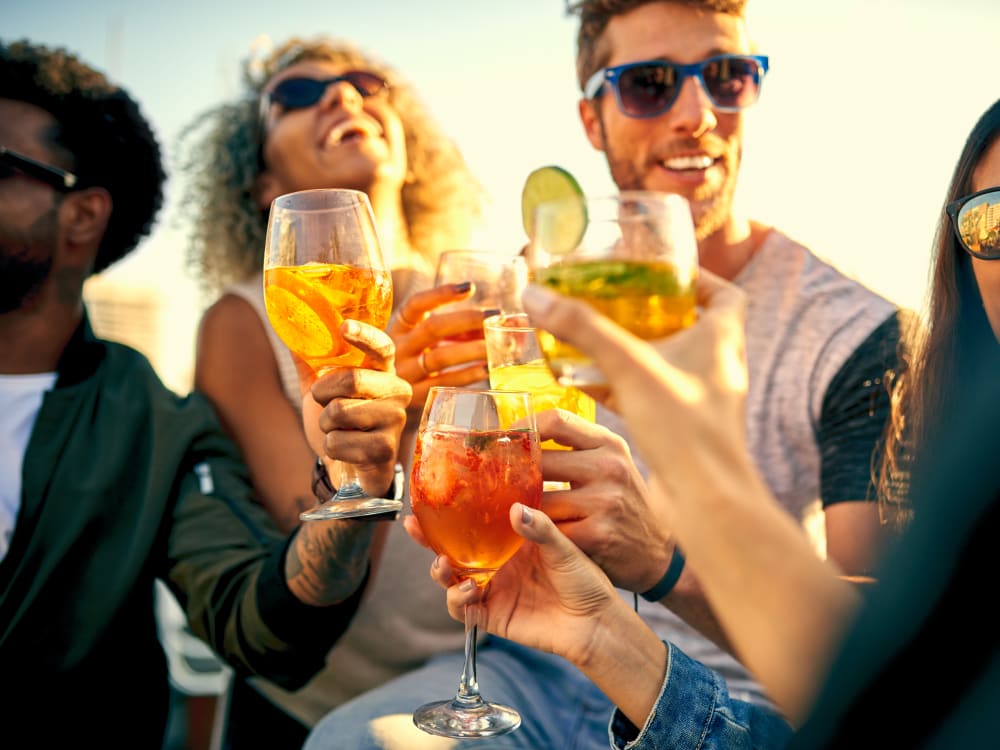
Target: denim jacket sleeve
(694,710)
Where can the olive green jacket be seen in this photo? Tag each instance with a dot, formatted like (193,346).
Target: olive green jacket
(124,482)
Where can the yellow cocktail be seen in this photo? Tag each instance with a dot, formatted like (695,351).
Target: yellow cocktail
(632,257)
(307,303)
(516,363)
(536,378)
(648,298)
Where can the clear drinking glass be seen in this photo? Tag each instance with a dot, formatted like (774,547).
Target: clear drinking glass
(632,256)
(497,279)
(477,453)
(323,263)
(516,363)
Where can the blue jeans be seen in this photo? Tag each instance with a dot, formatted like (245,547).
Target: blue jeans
(559,706)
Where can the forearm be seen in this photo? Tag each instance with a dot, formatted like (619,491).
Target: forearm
(782,607)
(327,560)
(687,601)
(627,661)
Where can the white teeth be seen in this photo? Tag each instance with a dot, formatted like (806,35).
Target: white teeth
(337,133)
(688,162)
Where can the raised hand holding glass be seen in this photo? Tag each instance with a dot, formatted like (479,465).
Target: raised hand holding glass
(323,263)
(477,453)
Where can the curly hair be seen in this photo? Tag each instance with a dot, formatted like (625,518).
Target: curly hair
(596,14)
(101,128)
(441,198)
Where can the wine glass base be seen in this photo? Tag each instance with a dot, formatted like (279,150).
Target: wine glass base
(358,507)
(452,719)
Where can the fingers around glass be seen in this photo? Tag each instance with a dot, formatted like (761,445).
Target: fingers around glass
(323,264)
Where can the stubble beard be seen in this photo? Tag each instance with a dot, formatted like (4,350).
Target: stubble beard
(26,262)
(710,209)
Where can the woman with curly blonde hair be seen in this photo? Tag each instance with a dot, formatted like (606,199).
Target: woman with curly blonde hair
(438,200)
(321,113)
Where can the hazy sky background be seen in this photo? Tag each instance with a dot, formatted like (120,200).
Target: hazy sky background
(849,149)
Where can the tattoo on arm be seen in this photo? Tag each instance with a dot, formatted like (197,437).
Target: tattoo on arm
(327,560)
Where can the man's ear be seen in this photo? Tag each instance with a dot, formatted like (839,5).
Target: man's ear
(84,216)
(591,122)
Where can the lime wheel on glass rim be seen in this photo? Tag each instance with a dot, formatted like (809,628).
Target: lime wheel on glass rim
(567,219)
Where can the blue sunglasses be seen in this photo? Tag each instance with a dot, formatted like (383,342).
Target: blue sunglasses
(650,88)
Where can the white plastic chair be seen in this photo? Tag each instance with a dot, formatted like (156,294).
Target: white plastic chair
(192,667)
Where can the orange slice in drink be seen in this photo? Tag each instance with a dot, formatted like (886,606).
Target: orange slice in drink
(302,315)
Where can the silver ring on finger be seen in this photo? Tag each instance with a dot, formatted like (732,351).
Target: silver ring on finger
(422,363)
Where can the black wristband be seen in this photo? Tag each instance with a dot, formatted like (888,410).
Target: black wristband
(669,580)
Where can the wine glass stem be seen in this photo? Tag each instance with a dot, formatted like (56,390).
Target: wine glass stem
(349,487)
(468,686)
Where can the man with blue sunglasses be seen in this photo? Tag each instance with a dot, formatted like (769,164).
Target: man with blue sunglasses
(665,85)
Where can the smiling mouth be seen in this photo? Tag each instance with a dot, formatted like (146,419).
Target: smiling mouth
(350,131)
(688,163)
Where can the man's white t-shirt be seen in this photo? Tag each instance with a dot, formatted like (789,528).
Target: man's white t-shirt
(20,399)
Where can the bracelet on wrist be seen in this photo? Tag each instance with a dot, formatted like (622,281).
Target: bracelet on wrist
(322,486)
(669,580)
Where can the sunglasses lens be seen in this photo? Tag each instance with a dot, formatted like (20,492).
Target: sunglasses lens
(646,90)
(367,84)
(978,225)
(732,82)
(295,93)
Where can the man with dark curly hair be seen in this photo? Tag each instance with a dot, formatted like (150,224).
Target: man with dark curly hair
(108,479)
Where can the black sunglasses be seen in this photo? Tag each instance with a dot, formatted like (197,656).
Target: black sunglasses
(297,93)
(13,163)
(650,88)
(975,219)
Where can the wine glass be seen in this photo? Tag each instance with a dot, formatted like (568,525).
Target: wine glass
(477,453)
(497,279)
(632,256)
(323,263)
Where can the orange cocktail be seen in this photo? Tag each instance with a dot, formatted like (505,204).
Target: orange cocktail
(461,489)
(307,303)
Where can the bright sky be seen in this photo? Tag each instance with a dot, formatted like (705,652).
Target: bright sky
(850,148)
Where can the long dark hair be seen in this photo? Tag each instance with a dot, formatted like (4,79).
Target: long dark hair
(958,341)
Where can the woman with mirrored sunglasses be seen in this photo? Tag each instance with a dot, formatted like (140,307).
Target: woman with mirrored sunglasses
(964,298)
(320,113)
